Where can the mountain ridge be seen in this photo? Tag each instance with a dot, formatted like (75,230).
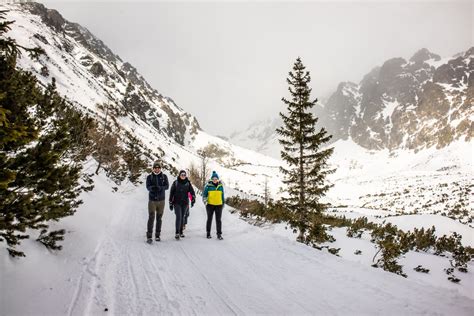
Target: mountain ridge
(410,105)
(90,80)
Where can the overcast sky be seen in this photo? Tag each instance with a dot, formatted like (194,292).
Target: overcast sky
(226,62)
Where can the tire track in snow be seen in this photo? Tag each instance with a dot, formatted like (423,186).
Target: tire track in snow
(169,301)
(132,277)
(79,286)
(107,238)
(151,289)
(234,309)
(122,281)
(253,269)
(132,271)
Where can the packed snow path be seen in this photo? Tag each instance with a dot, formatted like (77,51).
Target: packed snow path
(109,269)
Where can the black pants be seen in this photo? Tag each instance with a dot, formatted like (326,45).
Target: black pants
(180,211)
(211,209)
(186,216)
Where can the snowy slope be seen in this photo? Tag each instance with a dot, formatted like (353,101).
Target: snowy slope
(259,136)
(431,181)
(154,119)
(106,264)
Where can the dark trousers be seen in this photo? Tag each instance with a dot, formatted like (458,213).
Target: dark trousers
(155,209)
(186,216)
(180,211)
(211,209)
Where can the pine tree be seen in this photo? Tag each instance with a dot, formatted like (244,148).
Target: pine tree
(305,176)
(39,138)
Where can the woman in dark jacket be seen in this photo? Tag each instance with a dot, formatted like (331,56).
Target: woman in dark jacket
(179,200)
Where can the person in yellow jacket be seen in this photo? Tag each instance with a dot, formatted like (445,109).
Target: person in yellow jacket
(213,198)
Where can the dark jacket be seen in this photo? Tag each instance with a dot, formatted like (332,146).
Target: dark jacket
(179,192)
(156,185)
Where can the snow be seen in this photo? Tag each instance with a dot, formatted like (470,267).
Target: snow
(436,264)
(260,136)
(450,88)
(242,166)
(106,264)
(444,225)
(436,63)
(430,181)
(390,106)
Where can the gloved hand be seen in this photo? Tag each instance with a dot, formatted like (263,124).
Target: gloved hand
(171,207)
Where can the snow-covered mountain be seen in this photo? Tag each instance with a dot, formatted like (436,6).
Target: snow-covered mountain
(414,104)
(89,74)
(259,136)
(106,267)
(423,102)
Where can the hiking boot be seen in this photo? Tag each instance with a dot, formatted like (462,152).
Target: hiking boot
(176,236)
(149,240)
(181,235)
(219,237)
(157,238)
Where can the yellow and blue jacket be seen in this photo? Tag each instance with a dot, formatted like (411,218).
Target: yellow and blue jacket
(213,194)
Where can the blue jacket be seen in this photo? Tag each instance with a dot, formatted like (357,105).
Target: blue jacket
(156,184)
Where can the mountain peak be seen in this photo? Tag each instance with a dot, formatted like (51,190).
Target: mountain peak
(50,17)
(423,55)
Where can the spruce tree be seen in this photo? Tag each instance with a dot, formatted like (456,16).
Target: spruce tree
(40,137)
(305,176)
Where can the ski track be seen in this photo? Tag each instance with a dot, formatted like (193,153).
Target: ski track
(234,309)
(250,272)
(80,284)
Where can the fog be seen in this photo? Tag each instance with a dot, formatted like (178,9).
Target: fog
(226,62)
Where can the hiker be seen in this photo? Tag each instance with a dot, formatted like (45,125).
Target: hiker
(156,184)
(213,198)
(179,200)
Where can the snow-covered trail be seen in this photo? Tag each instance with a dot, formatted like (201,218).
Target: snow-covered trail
(252,271)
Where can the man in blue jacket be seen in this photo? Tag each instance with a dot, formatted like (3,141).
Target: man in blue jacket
(156,184)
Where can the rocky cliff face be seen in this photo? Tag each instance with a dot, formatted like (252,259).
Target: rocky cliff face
(420,103)
(81,51)
(413,104)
